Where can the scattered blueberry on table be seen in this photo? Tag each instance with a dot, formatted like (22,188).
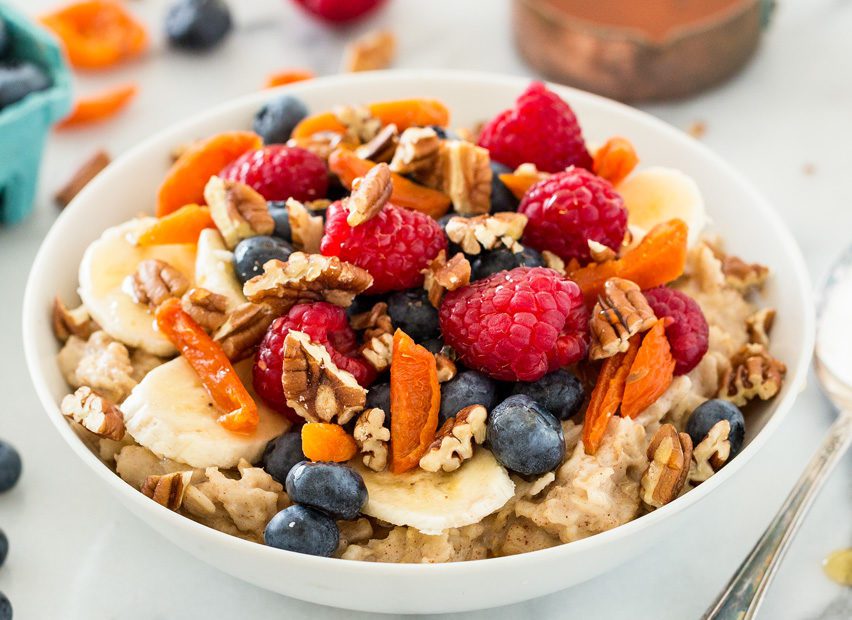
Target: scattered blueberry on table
(559,392)
(5,41)
(251,254)
(282,454)
(4,547)
(198,24)
(10,466)
(336,489)
(275,121)
(5,608)
(525,438)
(303,530)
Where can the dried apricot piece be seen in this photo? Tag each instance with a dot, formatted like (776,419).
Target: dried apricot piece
(100,106)
(658,259)
(415,398)
(324,121)
(289,76)
(348,166)
(615,160)
(185,180)
(607,395)
(97,33)
(518,184)
(405,113)
(181,226)
(327,442)
(651,373)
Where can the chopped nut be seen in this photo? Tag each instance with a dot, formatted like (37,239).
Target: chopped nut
(454,441)
(238,211)
(76,322)
(753,373)
(155,281)
(88,171)
(697,129)
(553,261)
(418,153)
(382,147)
(307,277)
(375,322)
(443,275)
(372,438)
(100,363)
(318,205)
(314,386)
(467,177)
(758,326)
(361,125)
(378,351)
(472,133)
(600,253)
(321,144)
(206,308)
(370,194)
(306,229)
(243,330)
(670,453)
(711,453)
(739,274)
(487,231)
(621,312)
(94,412)
(372,52)
(446,367)
(167,490)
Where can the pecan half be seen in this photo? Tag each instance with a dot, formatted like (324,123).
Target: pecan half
(444,275)
(206,308)
(243,330)
(382,147)
(418,153)
(711,453)
(370,194)
(167,490)
(670,453)
(554,262)
(304,278)
(321,144)
(453,444)
(467,180)
(372,438)
(480,232)
(372,52)
(314,386)
(759,324)
(76,322)
(155,281)
(306,229)
(94,412)
(621,312)
(238,211)
(753,374)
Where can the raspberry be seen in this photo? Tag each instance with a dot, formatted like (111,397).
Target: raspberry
(324,323)
(688,333)
(540,129)
(571,208)
(339,11)
(517,325)
(394,246)
(279,172)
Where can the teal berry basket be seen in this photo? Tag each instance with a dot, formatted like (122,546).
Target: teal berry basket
(24,125)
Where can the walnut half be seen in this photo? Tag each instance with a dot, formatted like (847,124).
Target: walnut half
(487,231)
(372,438)
(94,412)
(621,312)
(753,374)
(453,444)
(670,454)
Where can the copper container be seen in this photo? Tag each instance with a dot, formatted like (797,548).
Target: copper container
(639,50)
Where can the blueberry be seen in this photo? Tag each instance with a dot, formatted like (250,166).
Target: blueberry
(4,547)
(5,608)
(433,345)
(331,487)
(502,259)
(18,79)
(378,395)
(560,392)
(469,387)
(275,121)
(501,198)
(525,437)
(411,312)
(251,254)
(363,303)
(198,24)
(10,466)
(281,216)
(707,414)
(303,530)
(5,39)
(281,454)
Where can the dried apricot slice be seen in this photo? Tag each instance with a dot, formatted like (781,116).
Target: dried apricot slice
(181,226)
(615,160)
(658,259)
(100,106)
(289,76)
(415,398)
(348,166)
(185,180)
(650,374)
(327,442)
(607,395)
(518,184)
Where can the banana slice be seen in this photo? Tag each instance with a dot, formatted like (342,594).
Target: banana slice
(171,414)
(658,194)
(433,502)
(106,264)
(214,268)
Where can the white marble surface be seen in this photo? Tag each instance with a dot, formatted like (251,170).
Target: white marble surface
(784,121)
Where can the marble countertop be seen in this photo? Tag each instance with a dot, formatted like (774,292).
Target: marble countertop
(785,122)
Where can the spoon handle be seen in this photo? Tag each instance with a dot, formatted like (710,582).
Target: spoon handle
(745,591)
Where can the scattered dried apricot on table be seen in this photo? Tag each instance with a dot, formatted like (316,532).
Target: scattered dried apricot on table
(289,76)
(184,182)
(100,106)
(415,398)
(651,373)
(181,226)
(615,160)
(327,442)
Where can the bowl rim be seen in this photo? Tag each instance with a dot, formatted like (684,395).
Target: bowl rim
(34,320)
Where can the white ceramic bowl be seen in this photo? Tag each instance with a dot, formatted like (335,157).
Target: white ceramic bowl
(128,186)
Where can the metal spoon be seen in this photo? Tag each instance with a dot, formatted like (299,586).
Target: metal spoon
(746,590)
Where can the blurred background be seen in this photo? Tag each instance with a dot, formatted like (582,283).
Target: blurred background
(768,86)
